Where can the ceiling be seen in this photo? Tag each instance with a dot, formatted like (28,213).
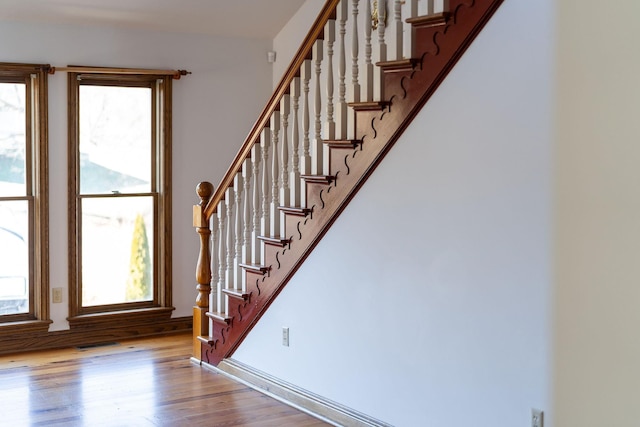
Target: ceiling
(235,18)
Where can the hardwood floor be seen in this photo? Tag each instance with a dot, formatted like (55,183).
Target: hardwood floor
(143,382)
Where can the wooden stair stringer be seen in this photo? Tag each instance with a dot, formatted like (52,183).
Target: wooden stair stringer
(408,92)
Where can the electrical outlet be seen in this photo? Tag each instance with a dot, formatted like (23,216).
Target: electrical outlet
(57,295)
(537,418)
(285,337)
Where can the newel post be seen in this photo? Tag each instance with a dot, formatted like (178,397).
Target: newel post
(204,190)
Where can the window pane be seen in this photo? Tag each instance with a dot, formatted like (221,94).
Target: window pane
(12,139)
(14,257)
(117,248)
(115,139)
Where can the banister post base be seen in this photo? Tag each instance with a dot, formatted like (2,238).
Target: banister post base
(200,328)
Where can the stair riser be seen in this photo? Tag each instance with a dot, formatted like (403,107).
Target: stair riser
(291,226)
(339,159)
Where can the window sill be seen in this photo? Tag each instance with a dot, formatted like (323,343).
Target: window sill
(120,318)
(24,327)
(37,340)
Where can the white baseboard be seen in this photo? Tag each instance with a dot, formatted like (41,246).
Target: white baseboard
(305,401)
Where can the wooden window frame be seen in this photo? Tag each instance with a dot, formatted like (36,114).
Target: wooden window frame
(37,191)
(134,312)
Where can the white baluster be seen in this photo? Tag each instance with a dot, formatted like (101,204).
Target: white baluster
(354,52)
(412,8)
(238,185)
(285,192)
(285,111)
(368,65)
(330,38)
(316,147)
(247,220)
(257,208)
(382,47)
(222,255)
(305,159)
(265,228)
(294,180)
(411,11)
(398,27)
(341,108)
(431,7)
(229,194)
(275,175)
(215,274)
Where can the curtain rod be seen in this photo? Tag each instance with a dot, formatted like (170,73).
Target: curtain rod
(176,74)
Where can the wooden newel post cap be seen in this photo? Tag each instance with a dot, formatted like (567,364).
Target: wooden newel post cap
(204,190)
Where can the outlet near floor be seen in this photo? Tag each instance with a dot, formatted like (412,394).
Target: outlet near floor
(57,295)
(537,418)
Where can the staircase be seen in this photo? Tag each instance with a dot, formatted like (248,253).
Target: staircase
(293,177)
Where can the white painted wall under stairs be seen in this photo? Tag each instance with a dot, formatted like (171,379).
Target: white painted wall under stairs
(449,325)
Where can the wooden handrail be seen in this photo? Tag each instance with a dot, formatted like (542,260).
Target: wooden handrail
(304,52)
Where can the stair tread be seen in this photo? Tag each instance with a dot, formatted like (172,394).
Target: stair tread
(209,340)
(369,105)
(429,20)
(276,241)
(295,210)
(256,268)
(220,317)
(342,143)
(399,65)
(321,179)
(237,293)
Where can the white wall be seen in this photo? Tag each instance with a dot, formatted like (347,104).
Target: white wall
(428,301)
(213,111)
(597,245)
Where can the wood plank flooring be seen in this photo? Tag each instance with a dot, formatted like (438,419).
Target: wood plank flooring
(143,382)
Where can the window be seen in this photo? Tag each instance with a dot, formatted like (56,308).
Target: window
(23,197)
(119,143)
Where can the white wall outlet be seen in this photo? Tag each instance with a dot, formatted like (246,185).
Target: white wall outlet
(285,337)
(537,418)
(57,295)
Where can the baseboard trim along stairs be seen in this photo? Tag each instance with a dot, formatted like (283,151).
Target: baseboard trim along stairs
(296,397)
